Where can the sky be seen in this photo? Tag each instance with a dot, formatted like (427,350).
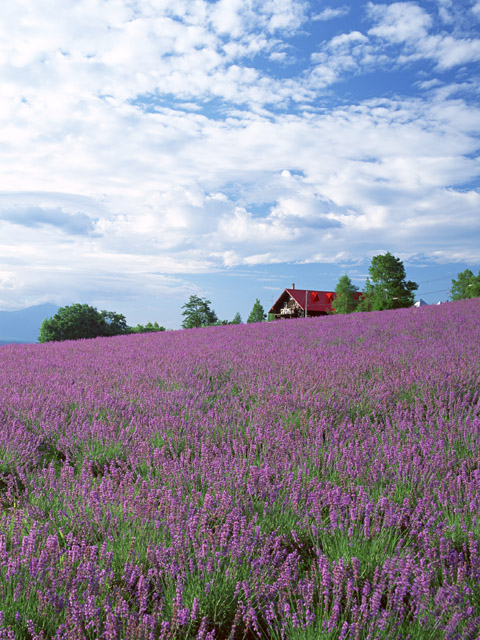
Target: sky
(155,149)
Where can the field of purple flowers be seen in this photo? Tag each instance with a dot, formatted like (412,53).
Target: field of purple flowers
(312,479)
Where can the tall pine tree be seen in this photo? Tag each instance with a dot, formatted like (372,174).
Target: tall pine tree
(257,314)
(345,300)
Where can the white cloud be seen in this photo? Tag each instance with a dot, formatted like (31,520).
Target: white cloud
(173,205)
(445,11)
(406,23)
(450,52)
(237,17)
(399,22)
(343,54)
(278,56)
(329,13)
(82,50)
(347,39)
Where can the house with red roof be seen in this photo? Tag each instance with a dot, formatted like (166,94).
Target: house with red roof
(301,303)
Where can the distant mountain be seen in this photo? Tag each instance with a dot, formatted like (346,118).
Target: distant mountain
(24,325)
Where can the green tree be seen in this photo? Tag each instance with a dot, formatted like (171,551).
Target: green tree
(197,313)
(257,314)
(345,300)
(366,301)
(147,328)
(114,324)
(467,285)
(73,322)
(237,319)
(387,288)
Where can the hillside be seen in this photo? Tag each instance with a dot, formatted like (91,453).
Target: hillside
(303,479)
(24,325)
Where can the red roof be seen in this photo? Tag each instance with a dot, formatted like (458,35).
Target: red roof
(314,300)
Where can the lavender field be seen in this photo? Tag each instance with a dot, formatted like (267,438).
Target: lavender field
(309,479)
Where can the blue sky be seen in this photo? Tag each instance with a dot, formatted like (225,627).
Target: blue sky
(158,148)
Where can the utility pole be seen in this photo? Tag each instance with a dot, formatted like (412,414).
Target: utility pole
(306,302)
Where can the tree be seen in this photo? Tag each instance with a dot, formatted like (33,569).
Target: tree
(237,319)
(147,328)
(197,313)
(257,314)
(73,322)
(345,300)
(467,285)
(387,288)
(366,301)
(82,321)
(114,323)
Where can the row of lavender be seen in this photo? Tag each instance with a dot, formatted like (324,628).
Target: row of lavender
(317,478)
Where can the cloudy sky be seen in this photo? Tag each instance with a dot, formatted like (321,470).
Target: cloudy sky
(150,149)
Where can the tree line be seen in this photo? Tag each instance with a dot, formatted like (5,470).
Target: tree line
(198,313)
(78,321)
(386,288)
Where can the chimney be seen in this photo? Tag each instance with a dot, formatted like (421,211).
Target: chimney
(293,285)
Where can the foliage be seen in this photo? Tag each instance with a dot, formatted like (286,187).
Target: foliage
(147,328)
(467,285)
(197,313)
(366,302)
(386,288)
(345,300)
(81,321)
(237,319)
(114,324)
(257,314)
